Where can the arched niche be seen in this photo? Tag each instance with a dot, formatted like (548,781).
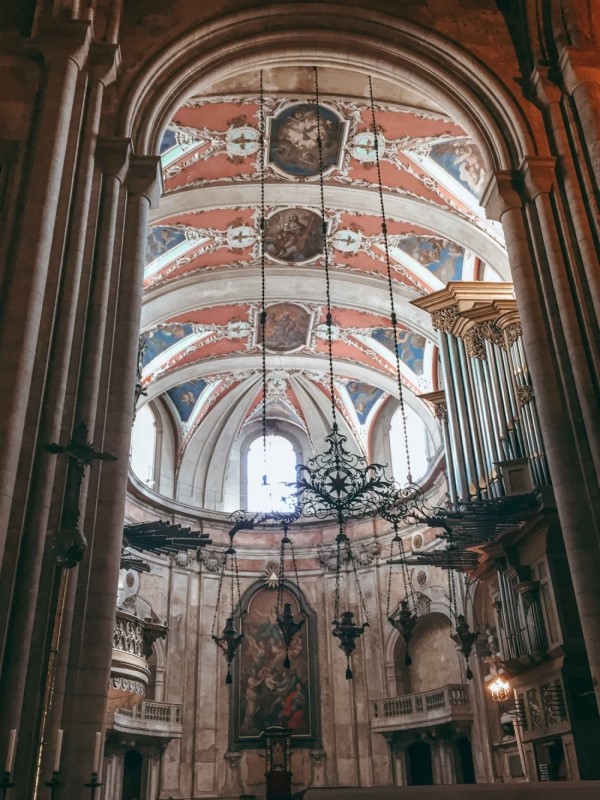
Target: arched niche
(435,659)
(265,692)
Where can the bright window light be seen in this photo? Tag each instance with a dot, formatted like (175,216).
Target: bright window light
(143,445)
(279,467)
(417,446)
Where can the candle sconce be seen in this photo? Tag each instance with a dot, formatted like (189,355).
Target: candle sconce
(53,784)
(93,785)
(6,784)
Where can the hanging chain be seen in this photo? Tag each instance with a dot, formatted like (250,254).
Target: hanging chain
(408,590)
(452,595)
(236,572)
(221,578)
(263,304)
(338,567)
(328,318)
(281,577)
(393,317)
(296,572)
(355,571)
(389,580)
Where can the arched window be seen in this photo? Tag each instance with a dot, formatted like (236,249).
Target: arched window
(418,445)
(143,446)
(268,479)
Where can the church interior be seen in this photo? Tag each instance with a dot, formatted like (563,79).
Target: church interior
(300,417)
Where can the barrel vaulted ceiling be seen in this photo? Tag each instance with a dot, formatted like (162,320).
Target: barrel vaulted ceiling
(202,288)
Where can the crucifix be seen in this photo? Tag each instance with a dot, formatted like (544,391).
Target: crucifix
(80,454)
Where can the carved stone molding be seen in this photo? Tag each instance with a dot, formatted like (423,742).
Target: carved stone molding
(211,560)
(475,343)
(233,760)
(127,685)
(490,331)
(513,332)
(440,411)
(444,319)
(525,394)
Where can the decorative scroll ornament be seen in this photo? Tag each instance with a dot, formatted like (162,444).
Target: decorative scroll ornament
(341,484)
(475,343)
(525,394)
(464,638)
(444,319)
(513,332)
(440,411)
(490,331)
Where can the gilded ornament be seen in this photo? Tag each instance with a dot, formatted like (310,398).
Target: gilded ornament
(444,319)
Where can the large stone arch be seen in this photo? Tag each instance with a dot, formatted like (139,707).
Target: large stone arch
(363,41)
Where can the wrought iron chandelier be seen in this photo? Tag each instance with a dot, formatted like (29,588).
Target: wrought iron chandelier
(230,639)
(285,619)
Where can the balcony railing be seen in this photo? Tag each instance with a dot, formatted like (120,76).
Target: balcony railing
(150,718)
(133,639)
(447,704)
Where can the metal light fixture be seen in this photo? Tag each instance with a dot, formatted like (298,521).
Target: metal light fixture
(499,690)
(230,639)
(285,619)
(403,619)
(343,626)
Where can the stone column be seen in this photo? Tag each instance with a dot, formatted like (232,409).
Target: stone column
(65,44)
(581,75)
(29,582)
(561,420)
(86,708)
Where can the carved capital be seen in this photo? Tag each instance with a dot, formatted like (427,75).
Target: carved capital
(105,60)
(500,195)
(440,411)
(579,66)
(538,174)
(444,319)
(62,40)
(489,330)
(513,332)
(144,178)
(112,154)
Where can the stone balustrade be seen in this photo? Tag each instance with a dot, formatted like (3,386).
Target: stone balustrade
(150,718)
(133,639)
(449,703)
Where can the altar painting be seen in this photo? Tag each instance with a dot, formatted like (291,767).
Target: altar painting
(267,693)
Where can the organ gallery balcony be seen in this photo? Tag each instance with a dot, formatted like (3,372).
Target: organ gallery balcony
(149,718)
(450,703)
(132,647)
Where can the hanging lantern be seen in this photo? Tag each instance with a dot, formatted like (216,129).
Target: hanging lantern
(289,628)
(230,639)
(344,627)
(404,621)
(347,632)
(285,619)
(464,638)
(229,642)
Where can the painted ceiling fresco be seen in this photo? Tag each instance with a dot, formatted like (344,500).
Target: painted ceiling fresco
(206,241)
